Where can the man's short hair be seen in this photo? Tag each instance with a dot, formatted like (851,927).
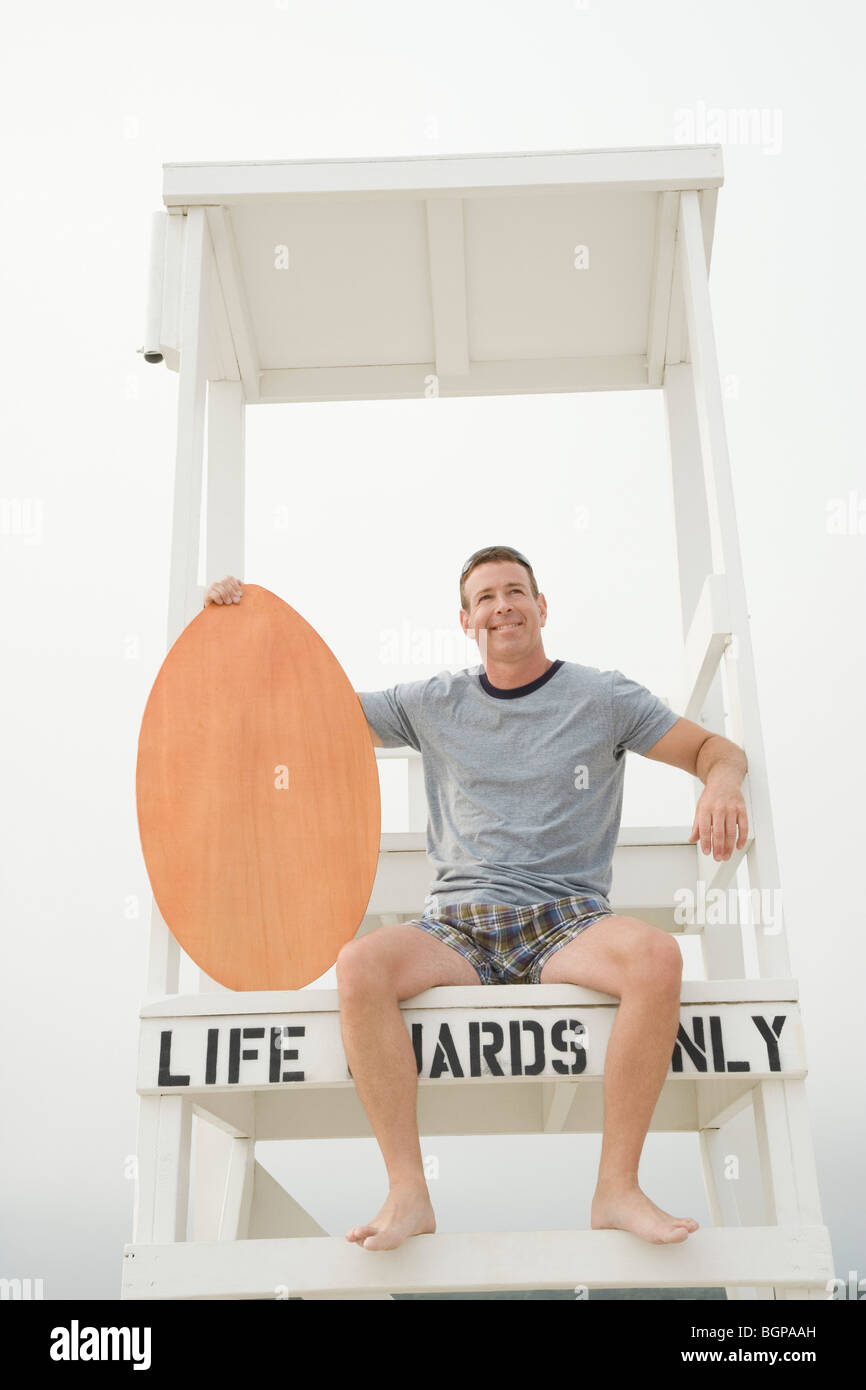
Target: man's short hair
(494,552)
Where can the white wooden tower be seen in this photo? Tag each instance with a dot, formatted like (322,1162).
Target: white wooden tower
(459,271)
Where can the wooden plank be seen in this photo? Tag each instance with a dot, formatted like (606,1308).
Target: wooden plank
(500,1260)
(492,1107)
(183,599)
(238,1193)
(226,492)
(147,1139)
(234,299)
(734,1194)
(708,635)
(721,949)
(172,1162)
(163,956)
(172,288)
(661,286)
(772,948)
(558,1098)
(222,360)
(187,250)
(209,1160)
(185,1055)
(677,343)
(251,1002)
(409,381)
(152,348)
(645,879)
(645,168)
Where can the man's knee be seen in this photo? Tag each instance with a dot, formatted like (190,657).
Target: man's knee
(665,959)
(360,966)
(658,959)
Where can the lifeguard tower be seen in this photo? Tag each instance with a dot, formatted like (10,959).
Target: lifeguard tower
(460,275)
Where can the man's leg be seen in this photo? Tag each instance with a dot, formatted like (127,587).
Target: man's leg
(641,965)
(374,973)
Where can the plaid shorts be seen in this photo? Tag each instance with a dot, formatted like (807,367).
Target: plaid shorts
(507,944)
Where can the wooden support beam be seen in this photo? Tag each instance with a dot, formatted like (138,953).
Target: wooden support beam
(238,1192)
(777,1255)
(183,599)
(222,359)
(408,381)
(557,1100)
(708,635)
(234,297)
(224,536)
(661,286)
(772,949)
(184,592)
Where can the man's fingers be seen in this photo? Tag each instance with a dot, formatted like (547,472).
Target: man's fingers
(706,827)
(720,831)
(224,591)
(730,833)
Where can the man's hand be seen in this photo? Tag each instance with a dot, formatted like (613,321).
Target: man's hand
(227,590)
(719,814)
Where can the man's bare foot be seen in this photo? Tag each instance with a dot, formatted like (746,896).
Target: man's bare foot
(408,1211)
(629,1209)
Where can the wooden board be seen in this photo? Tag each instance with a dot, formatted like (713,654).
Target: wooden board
(258,796)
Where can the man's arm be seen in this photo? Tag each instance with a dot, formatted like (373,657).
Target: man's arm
(374,736)
(721,820)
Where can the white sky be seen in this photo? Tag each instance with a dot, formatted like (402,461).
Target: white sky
(95,97)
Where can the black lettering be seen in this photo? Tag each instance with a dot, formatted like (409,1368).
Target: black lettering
(489,1050)
(274,1055)
(251,1053)
(770,1036)
(719,1063)
(697,1050)
(277,1054)
(234,1055)
(210,1066)
(474,1048)
(531,1025)
(576,1044)
(290,1054)
(417,1038)
(514,1034)
(164,1076)
(445,1053)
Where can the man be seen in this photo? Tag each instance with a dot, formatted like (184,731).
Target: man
(524,760)
(523,764)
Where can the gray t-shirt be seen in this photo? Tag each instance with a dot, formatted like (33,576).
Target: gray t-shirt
(524,786)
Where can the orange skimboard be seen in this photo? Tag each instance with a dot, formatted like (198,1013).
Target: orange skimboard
(258,796)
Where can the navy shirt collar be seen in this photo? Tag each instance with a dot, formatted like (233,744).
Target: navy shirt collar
(517,690)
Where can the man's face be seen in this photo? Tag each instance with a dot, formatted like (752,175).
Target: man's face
(503,617)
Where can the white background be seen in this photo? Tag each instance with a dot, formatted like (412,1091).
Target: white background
(385,501)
